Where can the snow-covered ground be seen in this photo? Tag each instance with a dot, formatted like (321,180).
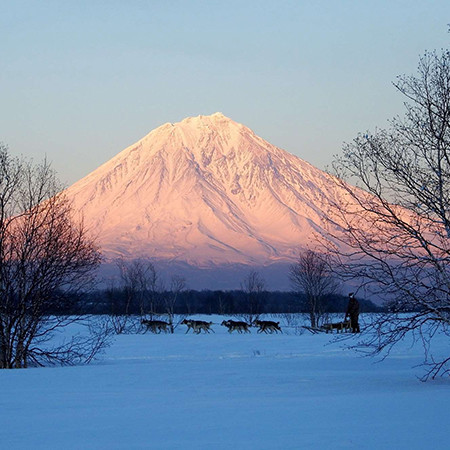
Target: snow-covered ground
(222,391)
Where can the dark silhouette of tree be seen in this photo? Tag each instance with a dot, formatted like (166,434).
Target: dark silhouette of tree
(137,290)
(253,287)
(395,229)
(312,277)
(177,286)
(46,258)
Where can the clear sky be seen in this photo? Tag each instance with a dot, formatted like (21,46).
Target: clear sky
(82,80)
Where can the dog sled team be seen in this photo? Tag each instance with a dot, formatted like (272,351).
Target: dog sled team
(349,324)
(197,326)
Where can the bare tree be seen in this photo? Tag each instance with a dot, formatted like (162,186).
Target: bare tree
(46,258)
(119,304)
(253,286)
(177,285)
(311,276)
(139,288)
(395,230)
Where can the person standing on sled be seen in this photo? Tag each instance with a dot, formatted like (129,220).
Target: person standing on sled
(353,313)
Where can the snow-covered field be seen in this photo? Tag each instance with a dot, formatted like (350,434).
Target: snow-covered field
(222,391)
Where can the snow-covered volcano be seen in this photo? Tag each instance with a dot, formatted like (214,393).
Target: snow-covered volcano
(205,191)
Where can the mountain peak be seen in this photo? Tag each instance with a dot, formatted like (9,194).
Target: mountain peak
(205,190)
(215,116)
(214,135)
(212,119)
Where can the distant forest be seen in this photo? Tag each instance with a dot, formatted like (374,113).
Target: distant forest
(189,302)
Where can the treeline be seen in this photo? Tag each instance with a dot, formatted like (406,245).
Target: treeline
(189,302)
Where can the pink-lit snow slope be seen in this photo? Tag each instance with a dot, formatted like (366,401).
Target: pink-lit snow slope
(204,191)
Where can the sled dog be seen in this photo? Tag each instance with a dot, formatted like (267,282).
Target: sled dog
(236,326)
(156,326)
(197,326)
(267,326)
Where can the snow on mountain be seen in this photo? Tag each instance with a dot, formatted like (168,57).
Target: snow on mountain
(205,191)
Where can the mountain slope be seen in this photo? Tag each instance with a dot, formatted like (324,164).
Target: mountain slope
(204,191)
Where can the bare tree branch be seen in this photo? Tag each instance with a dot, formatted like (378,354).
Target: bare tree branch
(46,257)
(253,286)
(311,276)
(395,228)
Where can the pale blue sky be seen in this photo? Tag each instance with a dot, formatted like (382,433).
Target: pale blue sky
(82,80)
